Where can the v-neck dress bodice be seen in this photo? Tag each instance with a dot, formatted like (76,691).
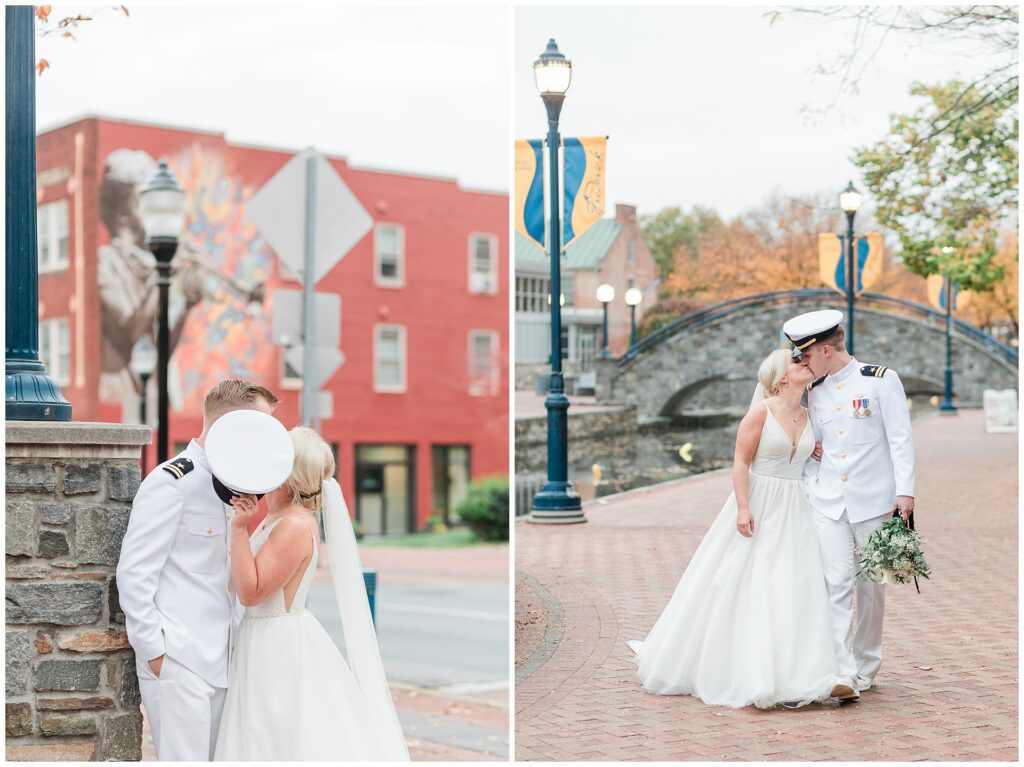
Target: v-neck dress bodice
(776,456)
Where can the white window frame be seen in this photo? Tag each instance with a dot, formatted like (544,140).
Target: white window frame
(289,383)
(492,386)
(48,230)
(474,275)
(55,349)
(380,280)
(403,358)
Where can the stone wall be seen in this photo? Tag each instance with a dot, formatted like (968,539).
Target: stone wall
(71,689)
(585,430)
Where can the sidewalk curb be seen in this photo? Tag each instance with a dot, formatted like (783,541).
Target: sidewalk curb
(555,631)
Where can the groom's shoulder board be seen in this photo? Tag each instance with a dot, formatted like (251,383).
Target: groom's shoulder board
(873,371)
(815,382)
(179,467)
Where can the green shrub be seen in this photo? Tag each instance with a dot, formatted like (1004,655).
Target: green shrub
(485,508)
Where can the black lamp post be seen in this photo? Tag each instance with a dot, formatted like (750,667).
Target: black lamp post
(555,503)
(633,297)
(162,206)
(947,407)
(31,394)
(605,294)
(142,364)
(849,201)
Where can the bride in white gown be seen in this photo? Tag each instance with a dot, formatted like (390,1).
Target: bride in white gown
(291,695)
(748,622)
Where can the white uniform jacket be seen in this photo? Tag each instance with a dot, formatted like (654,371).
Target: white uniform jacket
(174,576)
(868,459)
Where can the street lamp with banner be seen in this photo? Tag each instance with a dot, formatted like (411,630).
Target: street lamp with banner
(162,207)
(849,201)
(555,503)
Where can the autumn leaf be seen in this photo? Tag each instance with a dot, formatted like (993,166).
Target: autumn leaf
(42,66)
(43,12)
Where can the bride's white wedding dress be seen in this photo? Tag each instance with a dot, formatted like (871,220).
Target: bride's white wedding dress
(748,622)
(291,695)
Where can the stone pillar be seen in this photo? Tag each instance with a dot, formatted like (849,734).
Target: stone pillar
(605,369)
(72,693)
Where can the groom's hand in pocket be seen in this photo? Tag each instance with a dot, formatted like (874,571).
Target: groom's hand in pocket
(156,665)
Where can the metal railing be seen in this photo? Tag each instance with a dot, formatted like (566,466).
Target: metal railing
(711,314)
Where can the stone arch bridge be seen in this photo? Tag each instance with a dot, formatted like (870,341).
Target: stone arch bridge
(705,364)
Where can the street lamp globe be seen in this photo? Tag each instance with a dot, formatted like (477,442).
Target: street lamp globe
(634,296)
(552,72)
(162,206)
(143,360)
(605,293)
(849,199)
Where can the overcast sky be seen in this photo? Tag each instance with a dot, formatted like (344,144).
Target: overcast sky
(703,105)
(417,89)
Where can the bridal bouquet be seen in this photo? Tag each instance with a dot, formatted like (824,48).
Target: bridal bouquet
(893,555)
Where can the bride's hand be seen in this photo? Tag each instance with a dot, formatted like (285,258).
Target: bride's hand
(245,509)
(745,523)
(817,452)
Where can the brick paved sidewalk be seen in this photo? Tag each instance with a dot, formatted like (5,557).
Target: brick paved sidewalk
(948,685)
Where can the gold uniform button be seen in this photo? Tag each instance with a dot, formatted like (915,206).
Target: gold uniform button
(844,478)
(839,386)
(841,431)
(229,587)
(209,530)
(842,455)
(839,407)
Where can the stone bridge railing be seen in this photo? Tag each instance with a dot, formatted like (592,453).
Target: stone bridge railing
(707,361)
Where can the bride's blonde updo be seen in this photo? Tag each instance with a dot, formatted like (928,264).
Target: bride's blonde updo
(314,463)
(772,371)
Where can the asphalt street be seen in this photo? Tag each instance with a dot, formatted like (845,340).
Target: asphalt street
(448,635)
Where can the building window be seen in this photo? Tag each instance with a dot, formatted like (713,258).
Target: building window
(567,289)
(389,358)
(483,263)
(291,378)
(389,255)
(386,488)
(55,349)
(449,466)
(484,370)
(52,223)
(532,295)
(631,254)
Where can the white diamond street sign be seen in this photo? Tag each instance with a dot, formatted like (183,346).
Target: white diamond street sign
(278,210)
(328,360)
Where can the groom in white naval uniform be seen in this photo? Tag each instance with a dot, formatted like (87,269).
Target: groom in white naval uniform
(866,471)
(173,579)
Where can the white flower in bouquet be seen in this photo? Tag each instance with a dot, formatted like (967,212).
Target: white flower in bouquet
(892,554)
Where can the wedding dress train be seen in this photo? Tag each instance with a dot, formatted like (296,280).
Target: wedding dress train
(748,622)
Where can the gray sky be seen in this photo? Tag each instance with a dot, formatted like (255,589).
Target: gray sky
(417,89)
(703,105)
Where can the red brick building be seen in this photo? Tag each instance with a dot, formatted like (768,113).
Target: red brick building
(421,401)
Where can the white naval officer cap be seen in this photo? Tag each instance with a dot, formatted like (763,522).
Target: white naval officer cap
(250,453)
(811,327)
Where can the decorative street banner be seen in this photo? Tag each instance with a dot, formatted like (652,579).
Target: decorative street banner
(530,190)
(832,261)
(583,173)
(937,293)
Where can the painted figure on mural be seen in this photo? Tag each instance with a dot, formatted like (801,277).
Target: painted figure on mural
(127,274)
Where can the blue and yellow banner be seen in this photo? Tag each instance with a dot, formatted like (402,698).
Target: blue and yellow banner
(583,162)
(529,190)
(832,251)
(937,293)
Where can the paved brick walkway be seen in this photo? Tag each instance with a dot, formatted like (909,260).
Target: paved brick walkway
(948,685)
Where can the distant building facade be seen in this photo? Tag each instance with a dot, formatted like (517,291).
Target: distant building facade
(421,401)
(612,251)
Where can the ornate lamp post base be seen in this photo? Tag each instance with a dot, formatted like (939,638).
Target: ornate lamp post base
(32,395)
(556,504)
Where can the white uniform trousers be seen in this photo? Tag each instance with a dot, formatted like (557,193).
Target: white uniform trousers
(183,711)
(860,653)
